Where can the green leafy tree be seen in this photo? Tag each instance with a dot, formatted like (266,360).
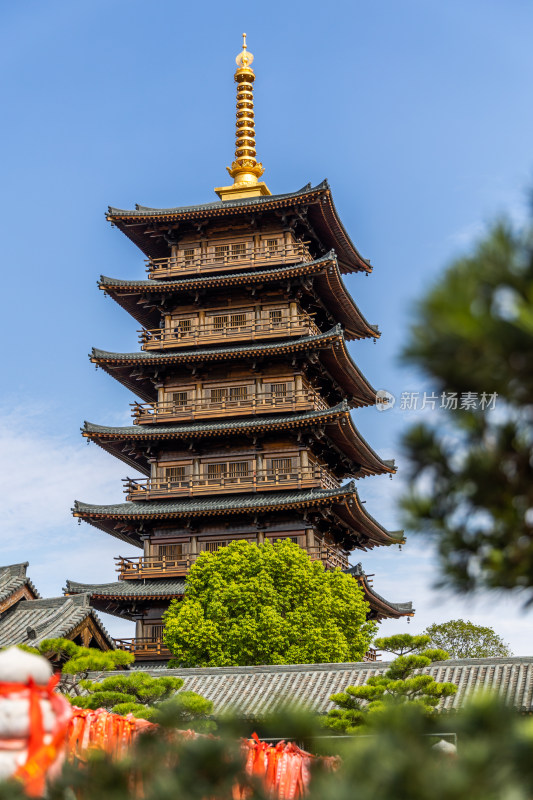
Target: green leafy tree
(144,696)
(397,686)
(471,474)
(465,640)
(266,604)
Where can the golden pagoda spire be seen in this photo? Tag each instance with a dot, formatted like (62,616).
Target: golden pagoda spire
(245,170)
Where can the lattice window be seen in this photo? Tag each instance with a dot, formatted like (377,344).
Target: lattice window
(238,469)
(220,322)
(183,327)
(272,245)
(170,551)
(279,391)
(175,475)
(212,547)
(188,255)
(238,393)
(216,471)
(218,395)
(179,399)
(281,465)
(275,317)
(237,320)
(238,250)
(221,252)
(155,632)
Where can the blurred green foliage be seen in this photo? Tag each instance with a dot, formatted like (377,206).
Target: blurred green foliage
(471,471)
(394,759)
(266,604)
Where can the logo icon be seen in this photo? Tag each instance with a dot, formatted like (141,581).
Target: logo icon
(384,400)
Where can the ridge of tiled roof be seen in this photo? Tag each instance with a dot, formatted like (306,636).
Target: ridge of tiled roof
(204,504)
(254,691)
(142,355)
(12,578)
(142,211)
(207,425)
(32,621)
(255,275)
(129,588)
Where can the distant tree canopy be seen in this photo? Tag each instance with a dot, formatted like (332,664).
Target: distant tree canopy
(465,640)
(266,604)
(471,473)
(397,686)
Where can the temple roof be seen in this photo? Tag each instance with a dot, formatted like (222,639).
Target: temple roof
(330,345)
(164,588)
(344,503)
(324,271)
(13,578)
(256,691)
(381,607)
(32,621)
(336,422)
(322,218)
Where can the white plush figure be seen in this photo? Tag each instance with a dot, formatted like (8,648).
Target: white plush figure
(22,676)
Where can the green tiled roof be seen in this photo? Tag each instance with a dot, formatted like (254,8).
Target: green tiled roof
(141,588)
(184,283)
(182,429)
(143,211)
(219,503)
(12,578)
(185,353)
(31,621)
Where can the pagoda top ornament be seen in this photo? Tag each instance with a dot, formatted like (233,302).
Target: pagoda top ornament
(245,169)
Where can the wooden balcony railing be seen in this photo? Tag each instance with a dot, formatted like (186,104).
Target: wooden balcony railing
(257,403)
(155,567)
(254,481)
(248,255)
(371,655)
(144,648)
(301,324)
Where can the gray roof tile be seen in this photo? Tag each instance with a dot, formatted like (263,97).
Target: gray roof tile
(255,690)
(13,578)
(31,621)
(152,587)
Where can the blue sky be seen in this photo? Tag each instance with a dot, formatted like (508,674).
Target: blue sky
(418,113)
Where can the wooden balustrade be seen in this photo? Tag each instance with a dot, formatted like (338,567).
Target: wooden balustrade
(144,648)
(237,256)
(137,567)
(154,566)
(250,404)
(208,332)
(254,480)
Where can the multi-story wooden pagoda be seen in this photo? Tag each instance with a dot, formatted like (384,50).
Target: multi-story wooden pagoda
(244,431)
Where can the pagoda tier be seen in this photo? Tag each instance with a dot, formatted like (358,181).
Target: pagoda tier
(324,356)
(338,512)
(330,434)
(308,215)
(317,285)
(145,602)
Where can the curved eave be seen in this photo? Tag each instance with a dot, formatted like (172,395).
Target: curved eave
(336,422)
(324,271)
(129,590)
(382,608)
(137,223)
(331,347)
(344,503)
